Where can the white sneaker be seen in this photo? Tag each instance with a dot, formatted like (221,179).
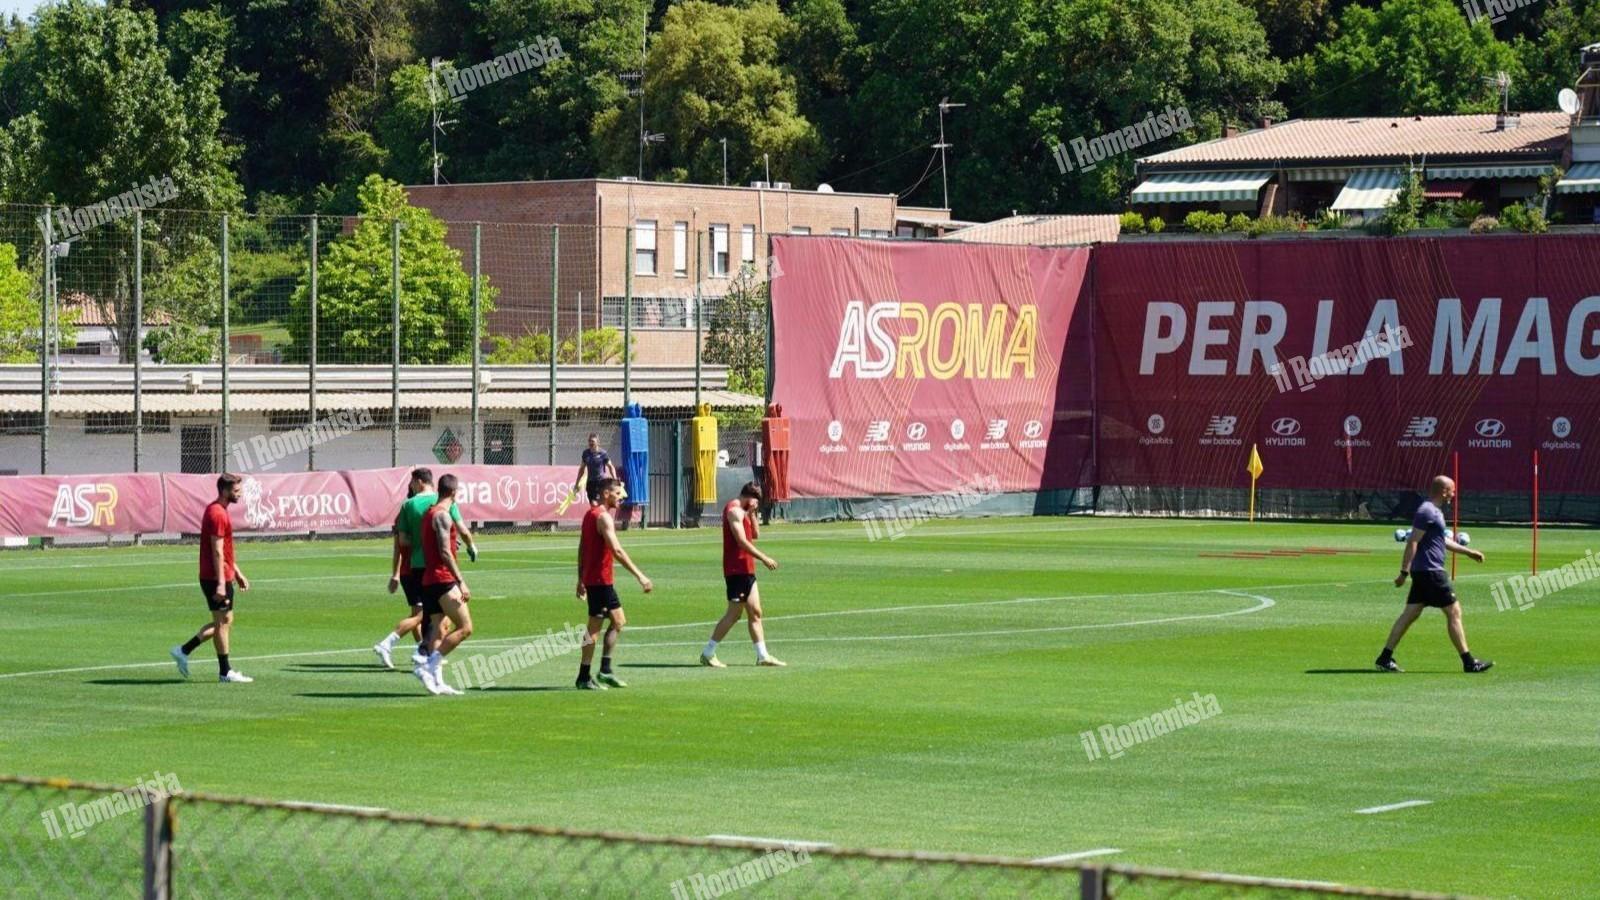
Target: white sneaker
(426,677)
(417,659)
(235,676)
(447,689)
(182,659)
(382,650)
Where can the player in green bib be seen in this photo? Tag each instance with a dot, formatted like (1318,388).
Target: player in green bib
(407,565)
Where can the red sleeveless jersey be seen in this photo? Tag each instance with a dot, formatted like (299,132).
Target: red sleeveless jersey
(435,570)
(735,559)
(594,551)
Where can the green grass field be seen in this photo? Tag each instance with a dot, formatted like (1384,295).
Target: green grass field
(935,696)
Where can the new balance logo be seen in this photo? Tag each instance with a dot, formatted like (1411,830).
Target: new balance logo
(878,431)
(1422,427)
(1221,426)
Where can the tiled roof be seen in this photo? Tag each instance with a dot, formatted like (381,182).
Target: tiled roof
(1040,231)
(1539,134)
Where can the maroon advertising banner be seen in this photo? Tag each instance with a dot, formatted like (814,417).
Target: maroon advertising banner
(484,493)
(284,502)
(909,368)
(1352,364)
(69,505)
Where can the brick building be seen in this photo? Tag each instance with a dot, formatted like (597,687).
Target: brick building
(728,225)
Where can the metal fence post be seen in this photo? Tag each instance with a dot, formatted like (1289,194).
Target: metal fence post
(627,319)
(477,334)
(222,449)
(394,346)
(44,343)
(677,474)
(138,338)
(697,302)
(158,849)
(311,371)
(1091,883)
(555,287)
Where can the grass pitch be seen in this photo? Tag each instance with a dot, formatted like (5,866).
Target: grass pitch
(937,690)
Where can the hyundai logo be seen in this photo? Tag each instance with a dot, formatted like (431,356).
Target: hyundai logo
(1286,427)
(1490,428)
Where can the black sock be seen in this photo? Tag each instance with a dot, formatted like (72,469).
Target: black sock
(1466,659)
(605,665)
(583,672)
(1386,655)
(222,663)
(189,645)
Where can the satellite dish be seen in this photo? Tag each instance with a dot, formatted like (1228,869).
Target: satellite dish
(1568,101)
(828,188)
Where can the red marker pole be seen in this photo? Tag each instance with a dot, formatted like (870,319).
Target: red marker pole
(1455,508)
(1536,512)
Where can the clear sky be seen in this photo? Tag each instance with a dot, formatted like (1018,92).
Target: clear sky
(20,7)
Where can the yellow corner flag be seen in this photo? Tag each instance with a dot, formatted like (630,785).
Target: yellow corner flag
(1255,468)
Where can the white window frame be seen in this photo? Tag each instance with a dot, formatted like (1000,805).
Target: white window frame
(839,232)
(644,232)
(800,229)
(747,244)
(680,249)
(719,250)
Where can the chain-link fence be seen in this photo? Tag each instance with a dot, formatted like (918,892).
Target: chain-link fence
(60,839)
(175,340)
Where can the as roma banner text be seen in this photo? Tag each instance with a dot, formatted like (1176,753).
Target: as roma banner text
(916,367)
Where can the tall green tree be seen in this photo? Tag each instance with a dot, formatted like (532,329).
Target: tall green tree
(355,293)
(110,101)
(737,334)
(19,312)
(1406,57)
(716,72)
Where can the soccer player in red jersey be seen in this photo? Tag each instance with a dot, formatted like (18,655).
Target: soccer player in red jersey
(598,545)
(444,590)
(739,555)
(218,574)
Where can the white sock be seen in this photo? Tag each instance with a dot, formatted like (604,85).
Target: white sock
(388,641)
(711,649)
(435,659)
(761,649)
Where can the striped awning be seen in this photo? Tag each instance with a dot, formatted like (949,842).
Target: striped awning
(1582,178)
(1190,187)
(1503,171)
(1317,174)
(1368,189)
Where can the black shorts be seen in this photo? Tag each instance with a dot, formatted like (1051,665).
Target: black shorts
(739,587)
(592,488)
(1431,588)
(432,594)
(411,584)
(602,599)
(209,587)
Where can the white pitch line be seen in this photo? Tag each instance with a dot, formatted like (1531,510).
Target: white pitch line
(1404,804)
(374,576)
(1081,854)
(774,842)
(1262,603)
(337,807)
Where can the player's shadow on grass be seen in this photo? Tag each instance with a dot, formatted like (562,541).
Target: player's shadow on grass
(123,682)
(658,665)
(531,687)
(335,667)
(362,695)
(1371,672)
